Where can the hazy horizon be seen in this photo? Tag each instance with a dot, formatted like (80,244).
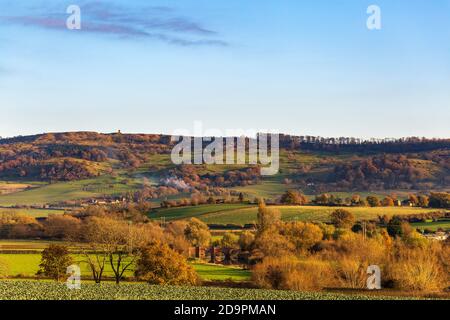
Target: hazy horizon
(170,134)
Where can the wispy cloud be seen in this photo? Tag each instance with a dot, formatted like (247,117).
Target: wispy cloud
(157,23)
(163,18)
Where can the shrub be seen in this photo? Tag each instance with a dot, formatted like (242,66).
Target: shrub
(294,198)
(159,264)
(62,227)
(388,202)
(373,201)
(418,269)
(439,200)
(328,230)
(246,240)
(303,235)
(412,238)
(229,240)
(311,274)
(351,273)
(4,269)
(271,244)
(290,273)
(54,262)
(267,217)
(352,254)
(197,232)
(342,218)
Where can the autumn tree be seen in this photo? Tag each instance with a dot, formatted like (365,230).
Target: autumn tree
(413,199)
(302,234)
(174,234)
(4,269)
(440,200)
(342,218)
(388,202)
(116,242)
(246,240)
(322,199)
(271,244)
(62,227)
(159,264)
(328,230)
(423,201)
(197,233)
(18,226)
(294,198)
(395,227)
(229,240)
(373,201)
(267,217)
(355,199)
(54,261)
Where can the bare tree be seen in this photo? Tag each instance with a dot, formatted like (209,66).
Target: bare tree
(117,242)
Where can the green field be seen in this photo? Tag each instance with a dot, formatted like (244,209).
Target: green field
(220,273)
(307,213)
(225,214)
(268,188)
(433,226)
(194,211)
(31,244)
(27,264)
(37,213)
(64,191)
(49,290)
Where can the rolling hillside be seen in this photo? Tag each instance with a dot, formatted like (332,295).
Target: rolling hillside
(55,167)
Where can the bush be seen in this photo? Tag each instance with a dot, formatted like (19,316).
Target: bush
(328,230)
(351,273)
(303,235)
(4,269)
(418,269)
(373,201)
(290,273)
(352,254)
(268,218)
(229,240)
(54,262)
(246,240)
(271,244)
(294,198)
(174,234)
(197,232)
(62,227)
(159,264)
(439,200)
(342,218)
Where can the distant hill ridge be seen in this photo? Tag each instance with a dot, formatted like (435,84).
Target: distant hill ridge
(406,144)
(306,161)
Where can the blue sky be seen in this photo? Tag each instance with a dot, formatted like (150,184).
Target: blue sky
(302,67)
